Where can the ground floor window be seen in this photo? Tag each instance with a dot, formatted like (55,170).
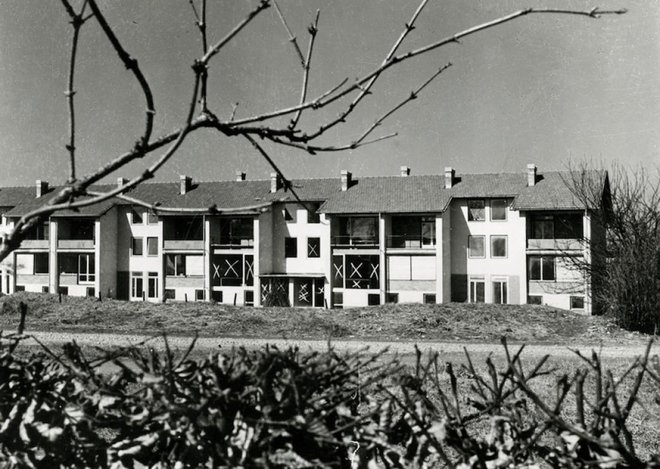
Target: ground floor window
(500,291)
(137,285)
(152,285)
(477,290)
(232,270)
(356,272)
(392,298)
(577,302)
(429,298)
(534,300)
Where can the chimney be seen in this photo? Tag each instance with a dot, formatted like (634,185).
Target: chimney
(121,181)
(184,184)
(275,182)
(346,177)
(405,171)
(42,188)
(240,175)
(449,177)
(531,174)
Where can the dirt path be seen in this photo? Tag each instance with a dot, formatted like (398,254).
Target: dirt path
(207,344)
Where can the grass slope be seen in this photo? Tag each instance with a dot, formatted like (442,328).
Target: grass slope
(443,322)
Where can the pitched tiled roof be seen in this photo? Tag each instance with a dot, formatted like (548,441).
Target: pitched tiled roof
(386,194)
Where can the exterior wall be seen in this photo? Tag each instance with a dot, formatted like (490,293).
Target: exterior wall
(512,268)
(7,264)
(106,254)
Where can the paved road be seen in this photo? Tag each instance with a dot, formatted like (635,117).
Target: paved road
(206,344)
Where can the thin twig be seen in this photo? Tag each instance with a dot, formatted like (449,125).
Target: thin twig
(292,38)
(313,30)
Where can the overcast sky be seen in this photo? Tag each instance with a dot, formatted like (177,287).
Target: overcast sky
(543,89)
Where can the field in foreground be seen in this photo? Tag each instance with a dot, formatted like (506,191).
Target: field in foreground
(444,322)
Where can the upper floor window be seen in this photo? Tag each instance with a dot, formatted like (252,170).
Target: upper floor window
(541,267)
(236,231)
(356,230)
(76,229)
(312,213)
(313,247)
(477,246)
(557,226)
(137,247)
(498,209)
(498,246)
(476,210)
(136,217)
(543,227)
(152,246)
(291,247)
(39,232)
(184,228)
(412,232)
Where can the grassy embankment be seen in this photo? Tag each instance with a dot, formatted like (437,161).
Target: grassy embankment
(444,322)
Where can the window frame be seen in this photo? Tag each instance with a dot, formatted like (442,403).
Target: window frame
(542,269)
(152,279)
(290,247)
(470,216)
(469,246)
(317,246)
(473,296)
(134,243)
(493,238)
(135,214)
(578,298)
(176,272)
(35,263)
(505,205)
(504,290)
(534,301)
(89,276)
(153,239)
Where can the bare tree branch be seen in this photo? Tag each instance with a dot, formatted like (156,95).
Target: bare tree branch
(313,30)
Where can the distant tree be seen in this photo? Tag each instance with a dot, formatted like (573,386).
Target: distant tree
(626,206)
(266,125)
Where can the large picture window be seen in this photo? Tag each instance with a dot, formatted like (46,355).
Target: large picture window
(541,267)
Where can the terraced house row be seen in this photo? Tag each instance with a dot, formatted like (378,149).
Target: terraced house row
(338,242)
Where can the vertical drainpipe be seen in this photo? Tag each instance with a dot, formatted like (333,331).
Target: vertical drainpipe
(53,266)
(439,260)
(256,259)
(382,258)
(161,264)
(207,258)
(586,230)
(97,256)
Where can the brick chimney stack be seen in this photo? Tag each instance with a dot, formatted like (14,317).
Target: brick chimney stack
(531,174)
(240,175)
(346,178)
(185,183)
(275,182)
(405,171)
(42,188)
(449,177)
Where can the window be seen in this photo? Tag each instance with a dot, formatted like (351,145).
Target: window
(337,300)
(86,268)
(392,298)
(313,247)
(137,248)
(373,299)
(152,218)
(248,298)
(289,214)
(184,228)
(357,230)
(429,298)
(498,209)
(152,246)
(170,294)
(152,284)
(199,295)
(236,231)
(428,231)
(362,272)
(577,302)
(137,285)
(44,289)
(477,290)
(534,300)
(476,210)
(136,217)
(39,232)
(41,263)
(476,246)
(63,290)
(216,295)
(312,215)
(543,227)
(22,288)
(498,246)
(90,291)
(541,267)
(175,265)
(290,247)
(500,291)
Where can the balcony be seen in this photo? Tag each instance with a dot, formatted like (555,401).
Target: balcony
(354,241)
(554,245)
(233,242)
(75,244)
(410,242)
(183,244)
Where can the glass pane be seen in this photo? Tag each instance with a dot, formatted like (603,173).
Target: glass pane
(535,268)
(476,210)
(498,210)
(476,246)
(548,268)
(481,289)
(169,264)
(498,246)
(152,246)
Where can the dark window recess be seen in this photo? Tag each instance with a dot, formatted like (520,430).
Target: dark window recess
(337,300)
(76,229)
(291,247)
(227,270)
(184,228)
(476,210)
(313,247)
(175,265)
(337,271)
(20,288)
(577,302)
(392,298)
(373,299)
(199,295)
(541,267)
(362,272)
(90,291)
(170,294)
(44,289)
(312,215)
(236,231)
(534,300)
(136,217)
(216,296)
(41,263)
(137,246)
(39,232)
(248,268)
(63,290)
(248,298)
(429,298)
